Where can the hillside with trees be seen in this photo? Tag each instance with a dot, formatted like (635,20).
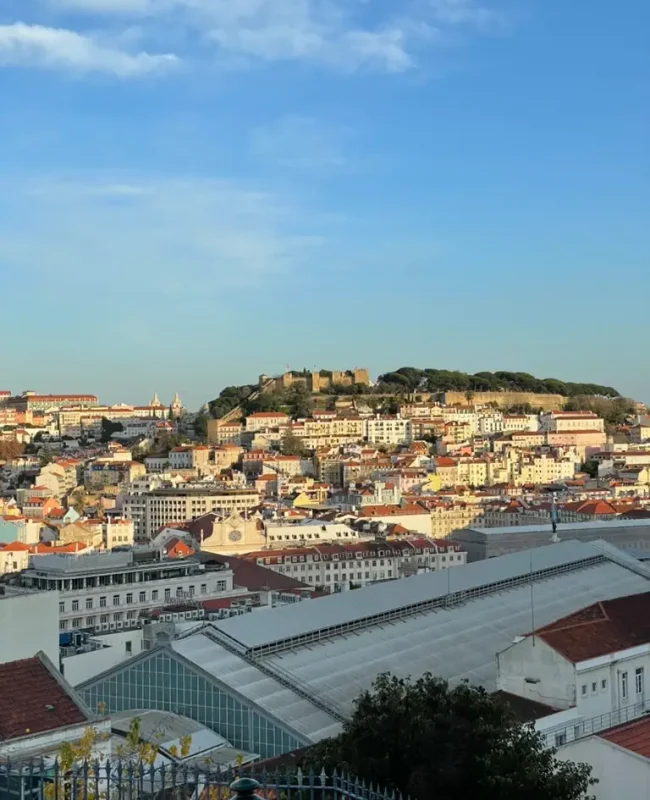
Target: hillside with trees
(414,379)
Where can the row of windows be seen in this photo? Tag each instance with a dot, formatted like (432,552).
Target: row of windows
(94,620)
(639,684)
(116,599)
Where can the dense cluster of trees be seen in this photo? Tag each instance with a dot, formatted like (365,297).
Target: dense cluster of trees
(615,411)
(425,739)
(412,379)
(295,401)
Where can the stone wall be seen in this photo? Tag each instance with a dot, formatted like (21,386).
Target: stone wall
(548,402)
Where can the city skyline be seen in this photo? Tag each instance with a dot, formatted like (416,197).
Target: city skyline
(194,193)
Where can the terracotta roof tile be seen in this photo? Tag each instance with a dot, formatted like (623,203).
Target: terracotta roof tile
(634,736)
(600,629)
(33,701)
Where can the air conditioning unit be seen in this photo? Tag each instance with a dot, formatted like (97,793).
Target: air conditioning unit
(112,626)
(104,626)
(119,624)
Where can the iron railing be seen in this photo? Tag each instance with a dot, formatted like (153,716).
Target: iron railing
(125,780)
(580,728)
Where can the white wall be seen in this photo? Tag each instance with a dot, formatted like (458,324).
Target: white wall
(609,669)
(82,667)
(621,774)
(533,659)
(29,623)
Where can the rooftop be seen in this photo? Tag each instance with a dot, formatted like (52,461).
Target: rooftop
(33,700)
(600,629)
(634,736)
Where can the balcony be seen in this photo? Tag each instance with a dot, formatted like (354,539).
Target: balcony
(114,780)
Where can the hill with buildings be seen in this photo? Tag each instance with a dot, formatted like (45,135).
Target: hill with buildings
(294,391)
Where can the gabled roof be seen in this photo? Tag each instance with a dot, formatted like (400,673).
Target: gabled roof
(600,629)
(34,700)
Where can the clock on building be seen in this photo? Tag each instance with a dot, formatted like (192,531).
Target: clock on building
(234,536)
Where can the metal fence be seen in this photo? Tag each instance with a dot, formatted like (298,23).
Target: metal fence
(580,728)
(119,780)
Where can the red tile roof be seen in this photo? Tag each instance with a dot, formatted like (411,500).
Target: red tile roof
(634,736)
(601,629)
(33,701)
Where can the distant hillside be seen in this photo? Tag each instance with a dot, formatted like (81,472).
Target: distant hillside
(440,380)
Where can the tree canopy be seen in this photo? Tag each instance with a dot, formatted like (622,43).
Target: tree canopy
(427,740)
(442,380)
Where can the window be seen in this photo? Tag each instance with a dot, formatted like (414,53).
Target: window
(118,617)
(61,608)
(143,597)
(221,586)
(90,621)
(129,599)
(168,594)
(76,623)
(191,591)
(102,602)
(89,603)
(116,599)
(129,647)
(104,618)
(638,680)
(75,605)
(594,687)
(154,594)
(131,615)
(623,685)
(603,685)
(179,591)
(63,624)
(560,739)
(583,690)
(204,588)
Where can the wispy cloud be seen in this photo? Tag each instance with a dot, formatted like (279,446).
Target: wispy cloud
(154,236)
(338,34)
(300,142)
(40,46)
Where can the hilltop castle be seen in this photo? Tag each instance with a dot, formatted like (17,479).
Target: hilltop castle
(315,381)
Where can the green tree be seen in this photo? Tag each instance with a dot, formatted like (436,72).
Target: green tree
(591,468)
(201,426)
(429,740)
(109,428)
(299,400)
(292,445)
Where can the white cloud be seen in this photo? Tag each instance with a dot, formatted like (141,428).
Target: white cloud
(197,236)
(334,33)
(39,46)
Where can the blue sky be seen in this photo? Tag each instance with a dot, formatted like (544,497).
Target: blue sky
(197,191)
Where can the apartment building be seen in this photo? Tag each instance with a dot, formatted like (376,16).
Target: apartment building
(388,430)
(109,591)
(266,419)
(30,401)
(543,469)
(152,509)
(339,567)
(566,421)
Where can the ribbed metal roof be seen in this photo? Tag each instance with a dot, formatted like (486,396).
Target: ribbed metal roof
(262,629)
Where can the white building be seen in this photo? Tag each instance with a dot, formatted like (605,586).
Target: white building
(109,591)
(593,663)
(568,421)
(29,622)
(152,508)
(308,532)
(339,566)
(388,430)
